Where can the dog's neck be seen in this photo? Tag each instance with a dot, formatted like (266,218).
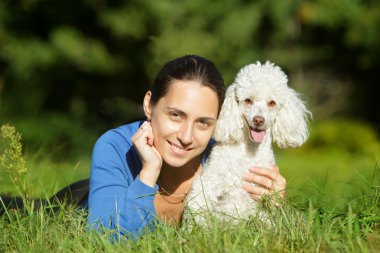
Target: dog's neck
(263,150)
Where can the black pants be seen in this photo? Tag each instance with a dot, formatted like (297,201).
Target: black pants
(75,194)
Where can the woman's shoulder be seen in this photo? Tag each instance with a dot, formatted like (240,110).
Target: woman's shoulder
(120,136)
(124,132)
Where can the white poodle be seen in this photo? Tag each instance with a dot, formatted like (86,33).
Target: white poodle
(259,108)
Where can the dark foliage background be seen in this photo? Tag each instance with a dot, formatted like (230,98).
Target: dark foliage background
(69,70)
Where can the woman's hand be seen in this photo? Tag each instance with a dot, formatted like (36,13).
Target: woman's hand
(150,158)
(260,181)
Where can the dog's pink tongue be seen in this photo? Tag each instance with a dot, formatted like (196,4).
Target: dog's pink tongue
(257,136)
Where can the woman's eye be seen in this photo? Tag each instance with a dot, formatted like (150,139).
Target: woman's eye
(175,116)
(271,103)
(204,123)
(248,101)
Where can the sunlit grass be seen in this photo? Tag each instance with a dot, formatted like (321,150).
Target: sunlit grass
(301,226)
(332,177)
(46,176)
(333,205)
(309,230)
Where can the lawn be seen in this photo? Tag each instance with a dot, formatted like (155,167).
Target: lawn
(333,205)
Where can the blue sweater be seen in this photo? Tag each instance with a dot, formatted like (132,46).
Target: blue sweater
(118,199)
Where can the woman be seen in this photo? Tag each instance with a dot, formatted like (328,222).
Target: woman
(145,169)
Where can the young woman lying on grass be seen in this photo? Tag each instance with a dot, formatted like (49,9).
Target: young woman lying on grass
(145,169)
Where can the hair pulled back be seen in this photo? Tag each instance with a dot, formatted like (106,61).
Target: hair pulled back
(188,68)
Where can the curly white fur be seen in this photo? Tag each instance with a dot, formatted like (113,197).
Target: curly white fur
(259,108)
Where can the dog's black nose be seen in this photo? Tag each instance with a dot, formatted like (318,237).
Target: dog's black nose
(258,121)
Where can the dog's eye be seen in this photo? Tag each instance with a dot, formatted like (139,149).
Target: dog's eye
(248,101)
(271,103)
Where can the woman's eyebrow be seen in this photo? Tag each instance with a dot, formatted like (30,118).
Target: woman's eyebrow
(170,108)
(207,118)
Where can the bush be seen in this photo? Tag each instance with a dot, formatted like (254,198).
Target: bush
(62,136)
(345,135)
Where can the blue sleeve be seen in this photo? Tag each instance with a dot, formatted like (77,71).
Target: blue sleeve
(118,199)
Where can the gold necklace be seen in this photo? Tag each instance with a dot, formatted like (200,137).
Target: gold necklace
(166,198)
(167,192)
(173,193)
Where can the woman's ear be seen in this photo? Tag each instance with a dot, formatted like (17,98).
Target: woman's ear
(147,105)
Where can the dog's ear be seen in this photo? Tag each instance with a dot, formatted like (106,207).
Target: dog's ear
(229,125)
(290,128)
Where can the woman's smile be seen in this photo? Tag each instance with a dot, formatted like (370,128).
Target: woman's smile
(178,149)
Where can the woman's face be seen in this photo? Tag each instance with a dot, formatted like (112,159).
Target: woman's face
(182,121)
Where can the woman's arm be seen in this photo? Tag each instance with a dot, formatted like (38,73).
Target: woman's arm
(150,158)
(118,200)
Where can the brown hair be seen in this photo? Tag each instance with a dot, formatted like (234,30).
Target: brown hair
(188,67)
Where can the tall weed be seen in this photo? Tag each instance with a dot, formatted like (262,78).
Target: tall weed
(11,157)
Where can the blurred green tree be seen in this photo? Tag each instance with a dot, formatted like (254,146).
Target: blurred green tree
(91,61)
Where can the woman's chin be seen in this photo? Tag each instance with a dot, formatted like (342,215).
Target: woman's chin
(178,162)
(175,163)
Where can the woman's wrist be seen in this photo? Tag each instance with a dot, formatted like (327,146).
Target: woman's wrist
(149,176)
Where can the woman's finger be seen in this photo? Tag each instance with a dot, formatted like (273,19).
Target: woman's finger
(143,141)
(254,191)
(272,174)
(275,168)
(255,197)
(268,179)
(259,180)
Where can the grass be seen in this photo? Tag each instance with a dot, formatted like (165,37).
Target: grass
(309,230)
(333,178)
(333,205)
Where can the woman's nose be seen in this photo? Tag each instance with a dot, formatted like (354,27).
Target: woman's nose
(185,134)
